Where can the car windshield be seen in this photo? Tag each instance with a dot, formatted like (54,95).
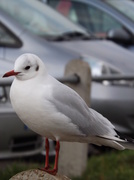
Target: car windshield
(126,7)
(38,18)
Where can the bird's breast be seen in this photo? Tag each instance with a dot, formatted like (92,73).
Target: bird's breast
(40,114)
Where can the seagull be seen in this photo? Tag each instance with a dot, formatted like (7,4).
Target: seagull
(57,112)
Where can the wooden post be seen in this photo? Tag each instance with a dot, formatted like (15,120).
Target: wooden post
(73,156)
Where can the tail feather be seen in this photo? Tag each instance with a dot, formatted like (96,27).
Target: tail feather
(128,142)
(118,142)
(101,141)
(128,145)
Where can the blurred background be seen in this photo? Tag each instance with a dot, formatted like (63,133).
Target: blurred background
(100,32)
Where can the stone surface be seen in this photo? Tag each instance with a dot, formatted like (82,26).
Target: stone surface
(35,174)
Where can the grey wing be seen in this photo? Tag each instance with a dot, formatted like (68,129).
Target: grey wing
(89,122)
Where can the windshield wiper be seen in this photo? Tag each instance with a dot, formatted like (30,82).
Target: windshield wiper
(76,35)
(71,35)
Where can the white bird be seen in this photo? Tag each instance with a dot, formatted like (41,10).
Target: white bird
(55,111)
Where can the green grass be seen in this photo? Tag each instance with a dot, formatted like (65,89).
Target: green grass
(114,165)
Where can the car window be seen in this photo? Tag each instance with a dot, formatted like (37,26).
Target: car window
(101,21)
(92,18)
(7,38)
(37,18)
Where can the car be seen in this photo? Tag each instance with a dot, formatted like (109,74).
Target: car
(17,140)
(109,19)
(39,29)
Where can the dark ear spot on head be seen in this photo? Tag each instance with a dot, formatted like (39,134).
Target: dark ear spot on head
(37,68)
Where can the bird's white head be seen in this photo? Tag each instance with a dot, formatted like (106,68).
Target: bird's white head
(26,67)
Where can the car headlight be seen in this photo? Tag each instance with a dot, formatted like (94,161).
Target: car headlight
(101,68)
(98,67)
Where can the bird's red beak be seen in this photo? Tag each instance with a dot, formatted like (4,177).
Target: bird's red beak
(10,73)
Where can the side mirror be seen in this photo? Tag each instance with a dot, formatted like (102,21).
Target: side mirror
(119,36)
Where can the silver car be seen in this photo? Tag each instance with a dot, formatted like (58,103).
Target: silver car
(30,26)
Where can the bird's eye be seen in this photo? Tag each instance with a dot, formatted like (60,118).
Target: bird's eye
(27,67)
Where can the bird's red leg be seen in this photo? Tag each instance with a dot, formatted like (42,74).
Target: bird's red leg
(57,148)
(47,166)
(47,154)
(55,169)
